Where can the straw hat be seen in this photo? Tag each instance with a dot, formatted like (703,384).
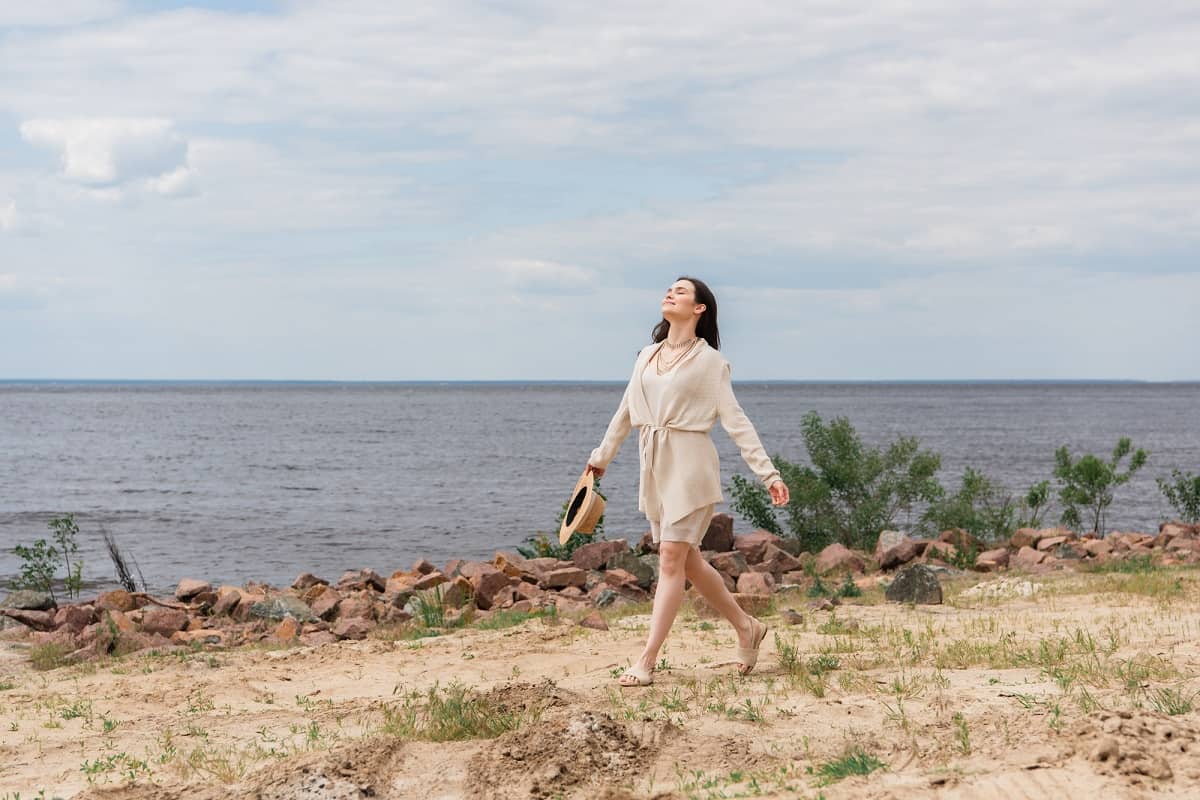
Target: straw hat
(583,510)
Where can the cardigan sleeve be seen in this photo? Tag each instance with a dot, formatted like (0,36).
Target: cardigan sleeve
(618,429)
(741,431)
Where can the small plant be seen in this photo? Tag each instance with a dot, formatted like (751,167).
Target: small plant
(962,734)
(450,714)
(431,608)
(1086,486)
(854,762)
(1172,702)
(1183,493)
(849,588)
(65,533)
(979,507)
(48,656)
(39,561)
(1033,505)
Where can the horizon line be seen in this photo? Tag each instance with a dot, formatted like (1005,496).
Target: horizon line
(570,381)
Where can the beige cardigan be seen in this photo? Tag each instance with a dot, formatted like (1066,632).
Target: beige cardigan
(679,470)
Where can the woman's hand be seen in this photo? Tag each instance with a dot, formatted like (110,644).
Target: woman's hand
(597,471)
(779,493)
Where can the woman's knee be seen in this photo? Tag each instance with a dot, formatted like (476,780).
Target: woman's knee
(672,557)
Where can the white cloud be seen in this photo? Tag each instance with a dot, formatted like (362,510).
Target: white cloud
(111,152)
(60,13)
(546,276)
(8,216)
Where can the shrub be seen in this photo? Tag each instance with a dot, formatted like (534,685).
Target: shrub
(979,507)
(850,493)
(39,560)
(1086,486)
(1034,504)
(1183,493)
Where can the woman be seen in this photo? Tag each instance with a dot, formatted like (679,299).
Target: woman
(680,386)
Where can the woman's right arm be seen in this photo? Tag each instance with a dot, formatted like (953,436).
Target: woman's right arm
(618,429)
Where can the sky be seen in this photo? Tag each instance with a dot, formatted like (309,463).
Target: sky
(504,190)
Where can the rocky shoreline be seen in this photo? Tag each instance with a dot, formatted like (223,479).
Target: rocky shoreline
(755,566)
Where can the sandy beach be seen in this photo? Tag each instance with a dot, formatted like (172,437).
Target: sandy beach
(1048,686)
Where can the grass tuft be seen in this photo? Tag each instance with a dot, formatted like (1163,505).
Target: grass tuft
(854,762)
(450,714)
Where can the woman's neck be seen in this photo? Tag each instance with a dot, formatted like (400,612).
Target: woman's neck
(678,334)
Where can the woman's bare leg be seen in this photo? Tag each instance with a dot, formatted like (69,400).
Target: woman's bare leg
(672,556)
(709,583)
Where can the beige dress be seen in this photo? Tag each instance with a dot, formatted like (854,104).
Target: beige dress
(691,528)
(679,471)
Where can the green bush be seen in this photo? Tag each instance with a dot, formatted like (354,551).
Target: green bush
(39,561)
(1183,493)
(1034,504)
(979,507)
(849,494)
(540,545)
(1086,486)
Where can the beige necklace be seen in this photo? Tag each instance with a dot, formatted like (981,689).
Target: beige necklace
(663,366)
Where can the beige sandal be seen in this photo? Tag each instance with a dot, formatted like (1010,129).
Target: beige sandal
(748,656)
(641,677)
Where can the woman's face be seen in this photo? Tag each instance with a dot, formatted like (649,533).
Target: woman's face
(680,304)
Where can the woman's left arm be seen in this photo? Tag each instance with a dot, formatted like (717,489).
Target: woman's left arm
(738,426)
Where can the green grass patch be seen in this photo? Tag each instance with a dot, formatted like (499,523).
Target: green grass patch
(854,762)
(451,714)
(506,618)
(49,656)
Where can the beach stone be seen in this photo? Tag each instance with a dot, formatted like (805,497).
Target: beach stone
(1048,543)
(753,545)
(457,592)
(991,560)
(423,567)
(202,636)
(755,583)
(915,583)
(962,540)
(325,604)
(838,557)
(1096,548)
(595,621)
(429,581)
(190,587)
(164,621)
(353,628)
(943,551)
(731,563)
(1024,537)
(755,604)
(603,596)
(227,599)
(117,600)
(646,544)
(284,605)
(287,630)
(38,620)
(523,590)
(356,607)
(791,616)
(595,555)
(360,579)
(1027,558)
(74,617)
(317,638)
(488,587)
(793,578)
(514,565)
(28,600)
(306,580)
(899,554)
(633,565)
(887,540)
(719,535)
(777,561)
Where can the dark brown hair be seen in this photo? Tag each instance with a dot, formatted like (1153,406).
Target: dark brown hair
(706,327)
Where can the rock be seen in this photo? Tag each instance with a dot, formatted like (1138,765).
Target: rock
(242,612)
(306,580)
(753,546)
(513,565)
(164,621)
(227,599)
(429,581)
(359,580)
(595,555)
(887,540)
(633,565)
(1027,558)
(731,563)
(960,539)
(190,587)
(991,560)
(791,616)
(117,600)
(423,567)
(899,554)
(401,582)
(595,621)
(620,577)
(650,560)
(202,636)
(915,583)
(74,618)
(276,608)
(1024,537)
(28,600)
(943,551)
(317,638)
(489,586)
(38,620)
(646,544)
(719,535)
(457,592)
(287,630)
(354,628)
(1048,543)
(356,607)
(794,578)
(755,583)
(778,561)
(837,557)
(824,603)
(755,604)
(523,590)
(603,597)
(1096,548)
